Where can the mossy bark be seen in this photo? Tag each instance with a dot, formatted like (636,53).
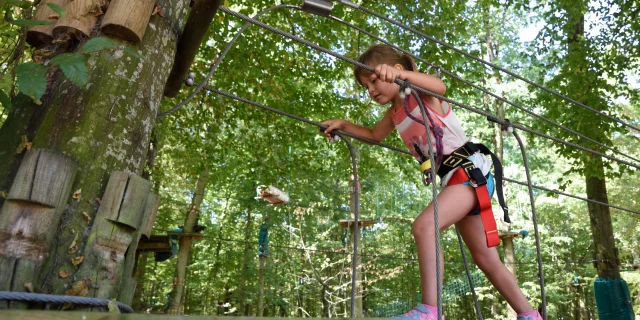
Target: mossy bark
(104,125)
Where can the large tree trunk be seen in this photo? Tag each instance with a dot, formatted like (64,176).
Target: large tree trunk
(601,228)
(104,126)
(185,243)
(611,291)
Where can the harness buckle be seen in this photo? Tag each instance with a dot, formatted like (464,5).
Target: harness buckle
(476,178)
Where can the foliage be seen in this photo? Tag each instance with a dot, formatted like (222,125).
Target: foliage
(307,272)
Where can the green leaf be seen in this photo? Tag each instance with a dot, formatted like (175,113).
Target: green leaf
(73,66)
(58,9)
(32,80)
(30,23)
(5,101)
(97,44)
(134,54)
(18,3)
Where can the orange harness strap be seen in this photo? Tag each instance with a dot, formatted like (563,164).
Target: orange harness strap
(484,201)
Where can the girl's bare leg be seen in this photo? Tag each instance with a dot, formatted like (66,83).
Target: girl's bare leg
(489,262)
(454,203)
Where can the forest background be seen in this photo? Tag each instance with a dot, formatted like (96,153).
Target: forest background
(307,271)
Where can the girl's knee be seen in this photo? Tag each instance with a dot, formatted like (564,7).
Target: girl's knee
(487,261)
(422,226)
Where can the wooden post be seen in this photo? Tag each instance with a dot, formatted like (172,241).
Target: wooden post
(185,242)
(81,17)
(39,36)
(362,223)
(119,217)
(506,237)
(30,216)
(128,19)
(130,283)
(201,14)
(261,286)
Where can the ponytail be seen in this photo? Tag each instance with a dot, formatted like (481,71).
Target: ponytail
(409,63)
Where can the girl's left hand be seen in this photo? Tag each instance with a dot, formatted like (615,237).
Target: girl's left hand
(387,73)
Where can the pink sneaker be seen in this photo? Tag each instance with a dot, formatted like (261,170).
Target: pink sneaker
(537,316)
(420,312)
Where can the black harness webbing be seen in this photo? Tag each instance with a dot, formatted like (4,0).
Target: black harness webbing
(458,159)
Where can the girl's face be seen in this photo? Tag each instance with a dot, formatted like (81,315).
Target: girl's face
(380,91)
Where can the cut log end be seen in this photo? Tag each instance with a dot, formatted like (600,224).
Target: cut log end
(73,32)
(38,39)
(121,32)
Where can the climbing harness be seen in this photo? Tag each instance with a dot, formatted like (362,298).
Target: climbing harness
(465,170)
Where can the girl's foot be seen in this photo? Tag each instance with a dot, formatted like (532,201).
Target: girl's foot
(420,312)
(529,316)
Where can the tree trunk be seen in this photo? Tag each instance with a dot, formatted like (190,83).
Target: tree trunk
(137,304)
(261,285)
(104,126)
(601,228)
(245,264)
(185,243)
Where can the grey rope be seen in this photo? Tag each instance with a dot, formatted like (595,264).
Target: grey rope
(468,55)
(434,190)
(408,153)
(203,85)
(572,196)
(356,226)
(51,298)
(498,97)
(469,278)
(402,84)
(215,65)
(534,217)
(289,115)
(293,116)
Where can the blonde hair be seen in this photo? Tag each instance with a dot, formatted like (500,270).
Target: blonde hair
(382,54)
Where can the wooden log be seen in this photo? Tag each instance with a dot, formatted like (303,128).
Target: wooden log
(81,17)
(116,224)
(40,36)
(201,15)
(155,244)
(30,216)
(153,202)
(126,288)
(128,19)
(57,315)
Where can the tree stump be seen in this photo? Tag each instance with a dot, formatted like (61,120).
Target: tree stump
(128,19)
(30,216)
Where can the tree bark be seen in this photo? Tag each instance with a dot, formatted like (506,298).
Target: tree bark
(261,286)
(104,125)
(185,243)
(601,227)
(245,264)
(141,268)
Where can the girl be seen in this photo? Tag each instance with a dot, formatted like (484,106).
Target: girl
(457,203)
